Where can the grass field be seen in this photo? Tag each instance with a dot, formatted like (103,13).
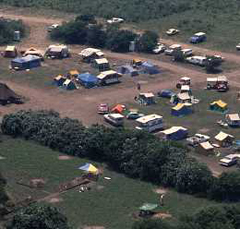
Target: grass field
(110,203)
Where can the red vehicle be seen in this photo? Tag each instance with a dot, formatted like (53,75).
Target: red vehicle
(103,108)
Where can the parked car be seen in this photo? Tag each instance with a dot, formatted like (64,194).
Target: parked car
(134,115)
(103,108)
(114,119)
(169,51)
(172,31)
(229,160)
(198,37)
(52,27)
(115,20)
(196,139)
(159,49)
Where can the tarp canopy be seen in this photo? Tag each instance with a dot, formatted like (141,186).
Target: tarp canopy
(87,80)
(89,168)
(148,207)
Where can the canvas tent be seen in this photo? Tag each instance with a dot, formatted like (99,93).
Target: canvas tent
(35,52)
(128,70)
(101,64)
(224,139)
(149,68)
(69,85)
(7,95)
(26,62)
(218,106)
(10,51)
(146,98)
(73,74)
(205,147)
(87,80)
(174,133)
(59,80)
(57,51)
(182,109)
(108,77)
(89,54)
(233,120)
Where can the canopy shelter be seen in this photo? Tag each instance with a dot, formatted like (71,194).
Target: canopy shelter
(87,80)
(218,106)
(147,209)
(89,168)
(118,109)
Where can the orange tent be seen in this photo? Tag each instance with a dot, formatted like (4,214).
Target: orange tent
(117,109)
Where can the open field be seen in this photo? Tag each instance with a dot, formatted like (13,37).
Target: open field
(119,197)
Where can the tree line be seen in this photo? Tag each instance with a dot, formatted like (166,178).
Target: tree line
(137,154)
(85,30)
(7,28)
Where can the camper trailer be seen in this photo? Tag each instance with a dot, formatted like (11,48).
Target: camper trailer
(57,51)
(150,123)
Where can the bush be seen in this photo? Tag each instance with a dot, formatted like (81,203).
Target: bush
(147,42)
(38,217)
(7,28)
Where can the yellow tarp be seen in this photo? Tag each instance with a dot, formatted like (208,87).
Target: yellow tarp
(92,169)
(74,72)
(220,103)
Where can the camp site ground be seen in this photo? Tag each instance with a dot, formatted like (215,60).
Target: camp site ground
(31,160)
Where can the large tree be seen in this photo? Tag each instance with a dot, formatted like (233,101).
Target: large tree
(147,41)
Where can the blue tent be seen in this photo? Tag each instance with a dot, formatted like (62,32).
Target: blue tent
(128,69)
(181,109)
(87,80)
(27,62)
(149,68)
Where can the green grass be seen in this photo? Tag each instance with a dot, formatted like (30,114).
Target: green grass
(110,203)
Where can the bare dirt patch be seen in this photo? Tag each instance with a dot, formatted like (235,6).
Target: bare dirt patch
(161,190)
(204,130)
(54,200)
(64,157)
(161,215)
(37,183)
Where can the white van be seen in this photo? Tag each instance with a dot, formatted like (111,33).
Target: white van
(197,60)
(150,123)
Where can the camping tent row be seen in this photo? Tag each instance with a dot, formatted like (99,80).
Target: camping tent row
(88,80)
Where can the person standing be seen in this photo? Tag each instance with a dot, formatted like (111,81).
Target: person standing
(139,86)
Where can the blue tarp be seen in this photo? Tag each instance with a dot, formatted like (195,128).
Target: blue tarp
(166,93)
(27,62)
(149,68)
(87,80)
(128,69)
